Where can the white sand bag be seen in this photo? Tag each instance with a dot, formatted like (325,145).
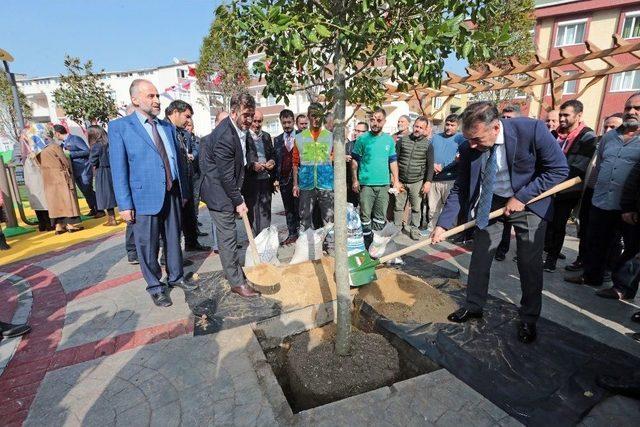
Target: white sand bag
(309,244)
(383,241)
(267,243)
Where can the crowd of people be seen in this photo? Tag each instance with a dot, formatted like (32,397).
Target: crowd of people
(156,172)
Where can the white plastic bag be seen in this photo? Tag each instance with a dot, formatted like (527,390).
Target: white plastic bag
(309,244)
(267,243)
(383,241)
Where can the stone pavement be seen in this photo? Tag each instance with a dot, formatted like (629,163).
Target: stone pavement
(101,353)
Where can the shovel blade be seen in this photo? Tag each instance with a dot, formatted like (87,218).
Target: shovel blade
(362,269)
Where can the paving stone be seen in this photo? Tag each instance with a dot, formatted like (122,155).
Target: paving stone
(614,411)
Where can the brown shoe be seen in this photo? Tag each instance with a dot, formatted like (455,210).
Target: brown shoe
(245,291)
(111,221)
(74,228)
(576,280)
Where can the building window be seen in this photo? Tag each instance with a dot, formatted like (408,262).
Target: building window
(631,27)
(569,87)
(271,100)
(437,102)
(626,81)
(570,32)
(181,73)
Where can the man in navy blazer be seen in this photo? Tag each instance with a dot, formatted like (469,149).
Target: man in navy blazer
(504,163)
(148,180)
(78,152)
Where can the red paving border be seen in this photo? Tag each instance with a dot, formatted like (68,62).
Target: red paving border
(37,352)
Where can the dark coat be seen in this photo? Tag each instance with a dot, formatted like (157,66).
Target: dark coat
(222,167)
(536,163)
(252,157)
(415,159)
(187,145)
(79,155)
(99,159)
(578,159)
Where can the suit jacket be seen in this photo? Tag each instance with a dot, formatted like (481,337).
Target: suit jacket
(536,163)
(222,168)
(252,157)
(139,179)
(79,155)
(187,145)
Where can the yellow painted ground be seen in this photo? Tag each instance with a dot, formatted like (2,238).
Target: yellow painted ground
(37,243)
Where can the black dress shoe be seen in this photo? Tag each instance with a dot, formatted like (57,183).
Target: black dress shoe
(500,256)
(611,293)
(550,265)
(562,256)
(634,336)
(161,299)
(7,330)
(627,386)
(575,266)
(635,317)
(197,248)
(202,233)
(463,315)
(132,259)
(527,332)
(184,284)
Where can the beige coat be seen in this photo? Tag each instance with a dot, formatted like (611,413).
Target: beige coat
(59,186)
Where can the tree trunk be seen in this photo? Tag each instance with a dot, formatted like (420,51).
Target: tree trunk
(342,344)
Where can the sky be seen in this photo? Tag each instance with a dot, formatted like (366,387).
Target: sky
(115,34)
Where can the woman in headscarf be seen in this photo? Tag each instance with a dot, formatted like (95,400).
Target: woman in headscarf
(99,158)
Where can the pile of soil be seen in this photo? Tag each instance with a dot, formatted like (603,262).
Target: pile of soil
(304,284)
(406,299)
(317,375)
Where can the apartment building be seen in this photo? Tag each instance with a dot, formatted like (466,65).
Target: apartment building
(567,24)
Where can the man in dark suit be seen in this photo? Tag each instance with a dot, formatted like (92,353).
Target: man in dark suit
(223,163)
(285,150)
(148,180)
(178,113)
(78,152)
(258,185)
(504,163)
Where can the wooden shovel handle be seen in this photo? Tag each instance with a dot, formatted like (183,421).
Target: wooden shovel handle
(252,242)
(467,225)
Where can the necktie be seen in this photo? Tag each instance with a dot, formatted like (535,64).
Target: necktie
(163,152)
(486,190)
(288,142)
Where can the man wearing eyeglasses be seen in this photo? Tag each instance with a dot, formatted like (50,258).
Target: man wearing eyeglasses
(618,152)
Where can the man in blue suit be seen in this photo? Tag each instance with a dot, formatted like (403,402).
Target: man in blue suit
(78,152)
(148,181)
(504,163)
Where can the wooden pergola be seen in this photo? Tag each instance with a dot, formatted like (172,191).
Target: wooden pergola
(524,78)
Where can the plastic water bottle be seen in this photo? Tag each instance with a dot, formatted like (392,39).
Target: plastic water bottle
(355,240)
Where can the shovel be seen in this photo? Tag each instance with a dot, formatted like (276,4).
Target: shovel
(362,268)
(261,274)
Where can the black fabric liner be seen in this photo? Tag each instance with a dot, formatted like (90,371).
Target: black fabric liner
(538,384)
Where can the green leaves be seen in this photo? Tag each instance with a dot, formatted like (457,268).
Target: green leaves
(83,94)
(322,30)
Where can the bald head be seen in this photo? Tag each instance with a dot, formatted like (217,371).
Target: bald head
(145,97)
(258,118)
(552,120)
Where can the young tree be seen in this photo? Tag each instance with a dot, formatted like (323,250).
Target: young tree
(350,50)
(8,118)
(222,68)
(82,94)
